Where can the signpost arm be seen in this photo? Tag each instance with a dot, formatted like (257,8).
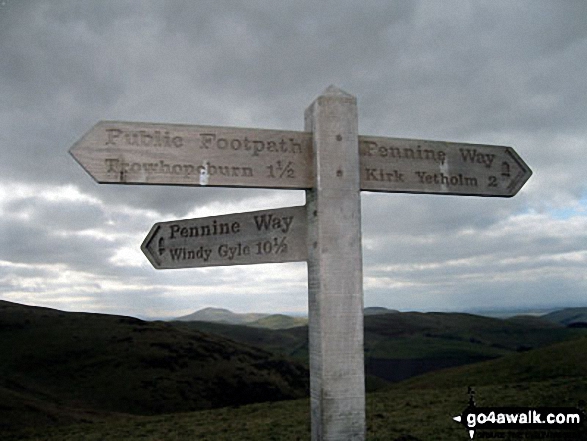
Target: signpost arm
(335,278)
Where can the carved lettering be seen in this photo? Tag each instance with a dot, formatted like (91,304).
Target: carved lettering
(206,139)
(229,252)
(380,175)
(143,138)
(184,253)
(213,229)
(255,147)
(119,167)
(270,222)
(275,245)
(226,170)
(475,157)
(459,180)
(373,148)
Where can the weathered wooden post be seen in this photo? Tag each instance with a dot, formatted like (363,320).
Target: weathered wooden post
(335,275)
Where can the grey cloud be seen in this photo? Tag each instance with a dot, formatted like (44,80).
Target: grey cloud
(423,215)
(25,243)
(417,69)
(495,72)
(57,215)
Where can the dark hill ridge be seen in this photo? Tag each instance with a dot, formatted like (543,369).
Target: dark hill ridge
(403,344)
(567,316)
(111,363)
(260,320)
(375,310)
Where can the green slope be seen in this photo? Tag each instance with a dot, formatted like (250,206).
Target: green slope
(562,360)
(279,321)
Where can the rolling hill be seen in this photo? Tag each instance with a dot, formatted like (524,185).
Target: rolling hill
(568,316)
(55,362)
(403,344)
(260,320)
(415,410)
(66,368)
(279,321)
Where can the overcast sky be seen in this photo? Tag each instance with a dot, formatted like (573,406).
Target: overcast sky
(489,72)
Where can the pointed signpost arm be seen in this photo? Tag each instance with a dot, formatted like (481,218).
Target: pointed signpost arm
(116,152)
(335,279)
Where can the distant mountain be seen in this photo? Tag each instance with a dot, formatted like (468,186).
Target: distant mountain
(220,315)
(567,316)
(270,321)
(505,313)
(375,310)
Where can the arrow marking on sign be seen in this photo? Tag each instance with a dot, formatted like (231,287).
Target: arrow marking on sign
(267,236)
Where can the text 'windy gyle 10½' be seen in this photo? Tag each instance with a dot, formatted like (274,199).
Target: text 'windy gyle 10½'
(333,164)
(235,239)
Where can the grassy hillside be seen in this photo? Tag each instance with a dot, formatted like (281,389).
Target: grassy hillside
(292,342)
(65,368)
(279,321)
(53,362)
(562,360)
(419,409)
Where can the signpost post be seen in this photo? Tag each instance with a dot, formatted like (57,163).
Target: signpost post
(333,164)
(335,271)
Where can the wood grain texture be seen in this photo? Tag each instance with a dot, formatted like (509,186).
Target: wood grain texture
(438,167)
(335,271)
(173,154)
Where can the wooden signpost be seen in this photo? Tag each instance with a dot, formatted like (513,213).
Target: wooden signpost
(266,236)
(333,164)
(172,154)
